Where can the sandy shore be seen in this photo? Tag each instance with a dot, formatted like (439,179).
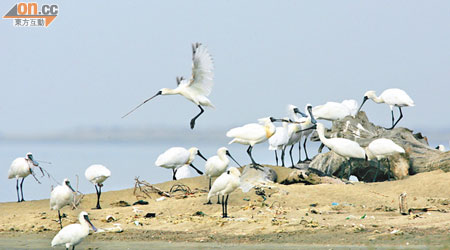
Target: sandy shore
(299,216)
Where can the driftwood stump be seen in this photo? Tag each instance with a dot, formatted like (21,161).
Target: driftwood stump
(419,156)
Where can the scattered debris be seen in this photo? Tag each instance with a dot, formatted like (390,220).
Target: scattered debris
(150,215)
(140,202)
(161,198)
(180,187)
(147,188)
(199,213)
(138,223)
(116,229)
(120,204)
(110,218)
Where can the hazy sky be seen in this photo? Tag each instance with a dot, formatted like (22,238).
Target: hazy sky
(98,59)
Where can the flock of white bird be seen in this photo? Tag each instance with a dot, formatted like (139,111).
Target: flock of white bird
(295,129)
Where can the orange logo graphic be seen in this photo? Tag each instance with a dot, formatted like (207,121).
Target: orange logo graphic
(30,15)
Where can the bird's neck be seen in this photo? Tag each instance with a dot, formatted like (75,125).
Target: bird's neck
(323,139)
(170,91)
(376,99)
(270,129)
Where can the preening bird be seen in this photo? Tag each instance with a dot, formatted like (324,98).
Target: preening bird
(198,87)
(74,234)
(20,168)
(380,149)
(344,147)
(332,111)
(224,185)
(217,164)
(253,133)
(393,98)
(177,157)
(97,174)
(279,140)
(61,196)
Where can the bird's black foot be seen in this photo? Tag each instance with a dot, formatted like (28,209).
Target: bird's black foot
(22,200)
(225,216)
(207,203)
(256,166)
(97,207)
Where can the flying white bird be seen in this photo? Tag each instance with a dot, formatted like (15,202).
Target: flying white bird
(217,164)
(306,124)
(74,234)
(344,147)
(224,185)
(332,111)
(61,196)
(380,149)
(198,87)
(253,133)
(20,168)
(97,174)
(279,140)
(177,157)
(392,97)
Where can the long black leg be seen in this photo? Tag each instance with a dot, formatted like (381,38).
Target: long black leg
(210,178)
(195,118)
(21,189)
(376,173)
(392,114)
(304,148)
(254,164)
(226,207)
(73,248)
(223,206)
(196,169)
(59,216)
(173,174)
(98,196)
(276,157)
(401,116)
(299,152)
(17,189)
(282,156)
(350,170)
(218,199)
(290,154)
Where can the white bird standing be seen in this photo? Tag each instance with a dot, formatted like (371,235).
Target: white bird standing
(344,147)
(176,157)
(253,133)
(279,140)
(97,174)
(332,111)
(198,87)
(392,97)
(20,168)
(224,185)
(74,234)
(61,196)
(380,149)
(217,165)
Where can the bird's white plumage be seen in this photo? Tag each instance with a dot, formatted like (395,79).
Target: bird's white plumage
(332,111)
(281,137)
(97,173)
(19,168)
(441,148)
(341,146)
(217,164)
(382,148)
(61,196)
(72,234)
(393,97)
(183,172)
(202,70)
(225,183)
(176,157)
(252,133)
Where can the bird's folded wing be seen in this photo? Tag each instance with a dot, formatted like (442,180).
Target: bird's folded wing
(202,70)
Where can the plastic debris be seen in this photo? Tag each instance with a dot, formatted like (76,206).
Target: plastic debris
(161,198)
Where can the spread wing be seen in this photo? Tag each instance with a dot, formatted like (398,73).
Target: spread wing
(202,69)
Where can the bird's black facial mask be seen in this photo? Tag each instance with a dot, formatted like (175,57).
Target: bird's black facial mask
(35,163)
(68,184)
(364,100)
